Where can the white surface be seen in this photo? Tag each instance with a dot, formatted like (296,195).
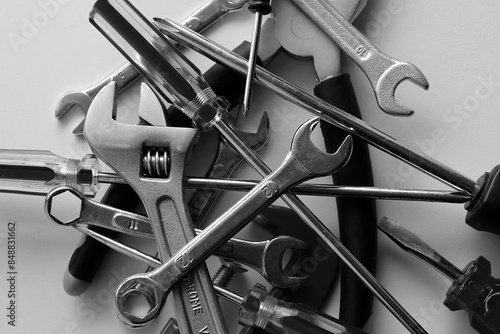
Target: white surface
(454,43)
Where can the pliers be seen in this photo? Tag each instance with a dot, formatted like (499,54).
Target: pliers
(357,216)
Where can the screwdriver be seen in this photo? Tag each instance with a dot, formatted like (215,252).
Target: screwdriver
(473,289)
(257,308)
(38,172)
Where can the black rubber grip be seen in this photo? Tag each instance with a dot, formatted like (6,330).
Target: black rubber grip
(224,82)
(483,208)
(87,258)
(357,216)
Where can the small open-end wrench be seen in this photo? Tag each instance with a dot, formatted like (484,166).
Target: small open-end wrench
(201,19)
(152,160)
(304,161)
(383,72)
(226,161)
(266,257)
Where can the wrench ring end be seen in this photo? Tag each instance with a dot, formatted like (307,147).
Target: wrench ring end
(132,287)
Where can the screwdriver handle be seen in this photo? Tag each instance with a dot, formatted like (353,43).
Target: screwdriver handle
(37,172)
(266,312)
(483,209)
(478,293)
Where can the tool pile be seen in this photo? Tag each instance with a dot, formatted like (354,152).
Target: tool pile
(149,166)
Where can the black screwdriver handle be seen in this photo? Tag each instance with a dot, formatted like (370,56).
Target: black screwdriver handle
(478,293)
(357,216)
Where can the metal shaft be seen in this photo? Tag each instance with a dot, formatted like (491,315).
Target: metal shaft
(344,191)
(324,233)
(252,59)
(320,108)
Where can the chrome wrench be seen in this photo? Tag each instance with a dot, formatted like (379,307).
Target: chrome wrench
(198,21)
(266,257)
(158,180)
(383,72)
(304,161)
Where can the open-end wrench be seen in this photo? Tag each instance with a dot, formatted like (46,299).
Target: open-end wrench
(383,72)
(266,257)
(201,19)
(227,159)
(152,160)
(304,161)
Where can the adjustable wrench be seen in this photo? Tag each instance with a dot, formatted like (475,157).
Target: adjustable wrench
(304,161)
(201,19)
(157,178)
(383,72)
(265,257)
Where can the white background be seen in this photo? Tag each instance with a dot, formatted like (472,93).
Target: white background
(454,43)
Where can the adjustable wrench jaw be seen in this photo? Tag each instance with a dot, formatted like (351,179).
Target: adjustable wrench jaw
(112,141)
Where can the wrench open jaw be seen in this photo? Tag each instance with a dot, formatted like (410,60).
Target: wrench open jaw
(304,161)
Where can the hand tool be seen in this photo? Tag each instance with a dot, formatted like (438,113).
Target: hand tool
(317,262)
(483,212)
(265,257)
(15,180)
(226,161)
(259,8)
(304,161)
(157,179)
(89,254)
(144,46)
(266,312)
(473,289)
(37,172)
(260,310)
(200,20)
(383,72)
(84,262)
(357,227)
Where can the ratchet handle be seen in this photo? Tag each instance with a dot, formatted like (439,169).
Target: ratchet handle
(483,209)
(478,293)
(357,216)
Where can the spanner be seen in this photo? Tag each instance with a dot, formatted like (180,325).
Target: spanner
(201,19)
(383,72)
(265,257)
(226,161)
(304,161)
(151,160)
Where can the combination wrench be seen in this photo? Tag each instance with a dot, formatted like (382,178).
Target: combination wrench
(265,257)
(304,161)
(127,74)
(152,160)
(383,72)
